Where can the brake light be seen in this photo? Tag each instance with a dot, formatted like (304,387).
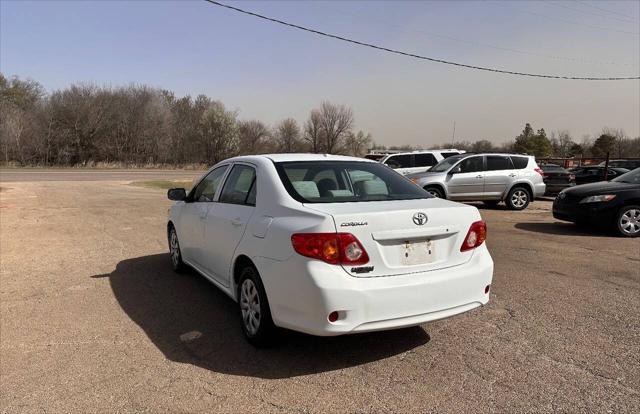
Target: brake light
(333,248)
(539,171)
(476,235)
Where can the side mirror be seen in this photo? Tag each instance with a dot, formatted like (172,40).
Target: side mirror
(177,194)
(455,170)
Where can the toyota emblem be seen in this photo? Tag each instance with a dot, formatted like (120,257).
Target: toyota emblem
(419,219)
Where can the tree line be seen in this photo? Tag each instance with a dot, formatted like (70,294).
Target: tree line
(86,125)
(138,125)
(560,144)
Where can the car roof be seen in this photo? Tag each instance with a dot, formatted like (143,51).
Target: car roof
(288,157)
(426,152)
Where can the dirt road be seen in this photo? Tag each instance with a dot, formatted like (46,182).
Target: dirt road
(92,319)
(57,174)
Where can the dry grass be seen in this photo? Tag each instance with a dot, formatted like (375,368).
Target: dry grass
(164,184)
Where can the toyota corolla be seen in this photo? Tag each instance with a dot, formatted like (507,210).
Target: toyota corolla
(328,245)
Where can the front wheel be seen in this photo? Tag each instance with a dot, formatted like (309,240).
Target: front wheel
(628,221)
(518,199)
(174,251)
(435,191)
(257,324)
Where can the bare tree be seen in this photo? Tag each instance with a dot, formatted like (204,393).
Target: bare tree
(336,122)
(482,145)
(313,132)
(252,137)
(561,142)
(218,133)
(287,135)
(357,145)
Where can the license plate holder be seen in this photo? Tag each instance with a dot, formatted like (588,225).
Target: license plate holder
(417,252)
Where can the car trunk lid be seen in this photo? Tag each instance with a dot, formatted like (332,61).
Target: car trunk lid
(404,236)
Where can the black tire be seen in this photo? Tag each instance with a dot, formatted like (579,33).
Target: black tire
(263,333)
(628,221)
(175,254)
(491,203)
(518,198)
(435,191)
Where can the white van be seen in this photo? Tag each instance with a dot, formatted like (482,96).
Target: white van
(417,161)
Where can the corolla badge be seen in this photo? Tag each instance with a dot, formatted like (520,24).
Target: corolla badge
(420,218)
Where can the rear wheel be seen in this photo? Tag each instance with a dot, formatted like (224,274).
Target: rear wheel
(628,221)
(518,198)
(435,191)
(174,251)
(257,324)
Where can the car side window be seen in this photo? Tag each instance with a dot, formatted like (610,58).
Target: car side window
(472,164)
(237,189)
(425,160)
(520,162)
(496,163)
(206,189)
(399,161)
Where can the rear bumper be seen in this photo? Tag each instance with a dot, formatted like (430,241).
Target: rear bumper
(555,188)
(539,189)
(303,292)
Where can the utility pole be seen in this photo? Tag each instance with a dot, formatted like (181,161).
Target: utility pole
(453,136)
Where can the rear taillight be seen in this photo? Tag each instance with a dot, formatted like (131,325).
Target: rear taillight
(333,248)
(539,171)
(476,235)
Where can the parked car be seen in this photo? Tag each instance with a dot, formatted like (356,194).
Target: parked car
(417,161)
(614,203)
(593,174)
(328,245)
(557,178)
(514,179)
(628,164)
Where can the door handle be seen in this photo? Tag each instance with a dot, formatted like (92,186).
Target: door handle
(512,175)
(237,222)
(479,176)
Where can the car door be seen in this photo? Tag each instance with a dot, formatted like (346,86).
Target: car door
(193,216)
(498,176)
(227,221)
(465,181)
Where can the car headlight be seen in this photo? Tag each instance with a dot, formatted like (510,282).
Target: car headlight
(598,198)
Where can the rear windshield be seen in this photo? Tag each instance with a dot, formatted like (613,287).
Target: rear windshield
(345,181)
(552,168)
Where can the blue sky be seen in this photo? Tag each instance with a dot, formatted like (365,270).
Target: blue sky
(270,72)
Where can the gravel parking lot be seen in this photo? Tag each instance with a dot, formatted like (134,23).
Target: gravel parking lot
(94,320)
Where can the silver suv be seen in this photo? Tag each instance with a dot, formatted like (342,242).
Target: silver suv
(514,179)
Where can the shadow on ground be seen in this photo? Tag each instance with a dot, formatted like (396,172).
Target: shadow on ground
(172,309)
(564,229)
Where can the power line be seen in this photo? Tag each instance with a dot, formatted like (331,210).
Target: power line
(398,52)
(496,47)
(584,3)
(576,23)
(604,16)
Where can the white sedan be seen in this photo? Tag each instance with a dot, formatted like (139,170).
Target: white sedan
(328,245)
